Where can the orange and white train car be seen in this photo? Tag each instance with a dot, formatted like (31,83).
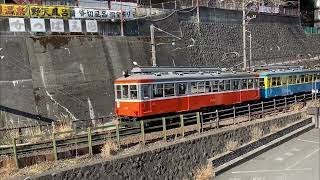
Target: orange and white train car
(145,95)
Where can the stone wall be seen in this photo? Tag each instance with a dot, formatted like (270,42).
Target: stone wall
(173,160)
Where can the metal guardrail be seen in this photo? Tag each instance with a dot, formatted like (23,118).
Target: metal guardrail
(198,122)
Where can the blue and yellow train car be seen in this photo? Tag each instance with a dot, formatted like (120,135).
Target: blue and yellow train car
(288,82)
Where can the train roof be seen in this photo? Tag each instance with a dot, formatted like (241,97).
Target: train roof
(146,78)
(288,72)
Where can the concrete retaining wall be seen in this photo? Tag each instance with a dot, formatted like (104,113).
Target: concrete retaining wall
(175,160)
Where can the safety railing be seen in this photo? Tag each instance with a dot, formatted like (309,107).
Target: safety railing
(127,134)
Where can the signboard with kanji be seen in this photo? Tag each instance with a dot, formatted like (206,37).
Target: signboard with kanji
(17,25)
(49,11)
(101,13)
(12,10)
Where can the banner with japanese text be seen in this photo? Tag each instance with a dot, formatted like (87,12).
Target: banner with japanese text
(49,11)
(13,10)
(89,13)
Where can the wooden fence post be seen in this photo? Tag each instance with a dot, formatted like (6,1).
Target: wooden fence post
(198,122)
(164,128)
(15,154)
(274,104)
(118,134)
(142,132)
(285,104)
(234,115)
(54,146)
(182,124)
(295,100)
(90,141)
(262,109)
(217,117)
(249,112)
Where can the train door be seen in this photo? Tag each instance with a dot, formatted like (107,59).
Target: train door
(183,98)
(146,96)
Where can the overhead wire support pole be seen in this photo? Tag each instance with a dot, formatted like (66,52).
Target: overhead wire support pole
(153,46)
(198,17)
(244,35)
(121,19)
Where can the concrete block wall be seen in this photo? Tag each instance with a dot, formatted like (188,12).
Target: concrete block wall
(174,160)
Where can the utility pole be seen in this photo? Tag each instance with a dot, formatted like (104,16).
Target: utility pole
(121,19)
(244,35)
(250,50)
(153,46)
(198,16)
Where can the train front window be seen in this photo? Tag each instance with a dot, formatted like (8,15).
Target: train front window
(118,92)
(125,92)
(169,89)
(133,92)
(157,90)
(146,91)
(182,88)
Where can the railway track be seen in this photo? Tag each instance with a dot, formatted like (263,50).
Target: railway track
(161,128)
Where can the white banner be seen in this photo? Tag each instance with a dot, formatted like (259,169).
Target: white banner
(270,10)
(57,25)
(101,13)
(17,25)
(37,25)
(91,26)
(75,26)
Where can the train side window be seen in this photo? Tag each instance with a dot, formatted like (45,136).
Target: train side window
(157,90)
(169,90)
(261,83)
(182,88)
(255,83)
(290,80)
(294,79)
(215,86)
(302,78)
(284,80)
(307,78)
(118,90)
(250,83)
(208,86)
(273,81)
(235,84)
(146,91)
(221,85)
(200,87)
(125,91)
(318,76)
(278,81)
(227,85)
(133,92)
(194,89)
(298,79)
(244,84)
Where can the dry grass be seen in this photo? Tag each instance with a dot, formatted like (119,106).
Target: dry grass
(39,168)
(232,145)
(9,167)
(35,134)
(256,133)
(274,128)
(63,125)
(205,173)
(297,106)
(109,149)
